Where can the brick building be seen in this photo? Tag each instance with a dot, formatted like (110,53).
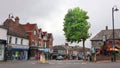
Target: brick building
(17,39)
(33,32)
(104,40)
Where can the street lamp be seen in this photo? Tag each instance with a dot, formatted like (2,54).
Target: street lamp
(114,8)
(104,42)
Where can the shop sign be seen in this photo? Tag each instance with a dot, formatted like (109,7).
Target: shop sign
(20,46)
(45,50)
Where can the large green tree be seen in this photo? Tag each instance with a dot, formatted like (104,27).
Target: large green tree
(76,26)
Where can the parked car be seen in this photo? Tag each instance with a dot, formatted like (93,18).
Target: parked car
(59,58)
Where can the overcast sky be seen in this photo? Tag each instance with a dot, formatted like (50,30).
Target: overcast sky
(49,14)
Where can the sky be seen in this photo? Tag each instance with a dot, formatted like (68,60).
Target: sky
(49,14)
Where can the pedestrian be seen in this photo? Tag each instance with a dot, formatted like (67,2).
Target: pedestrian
(16,55)
(13,57)
(88,56)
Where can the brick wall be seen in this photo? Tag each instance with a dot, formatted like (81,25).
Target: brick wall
(101,57)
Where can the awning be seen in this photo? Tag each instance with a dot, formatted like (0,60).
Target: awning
(19,47)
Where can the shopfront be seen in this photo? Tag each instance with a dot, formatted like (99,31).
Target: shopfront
(33,52)
(19,52)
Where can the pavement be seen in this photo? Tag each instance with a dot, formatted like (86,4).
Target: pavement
(12,62)
(108,61)
(57,62)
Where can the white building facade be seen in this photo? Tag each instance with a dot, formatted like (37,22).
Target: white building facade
(18,48)
(3,39)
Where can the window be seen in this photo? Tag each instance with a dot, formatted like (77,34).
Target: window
(40,35)
(21,41)
(10,39)
(34,32)
(35,43)
(16,40)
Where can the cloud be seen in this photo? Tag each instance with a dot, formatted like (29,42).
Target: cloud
(49,14)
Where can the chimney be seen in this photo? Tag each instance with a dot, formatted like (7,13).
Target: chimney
(17,20)
(28,23)
(66,44)
(106,27)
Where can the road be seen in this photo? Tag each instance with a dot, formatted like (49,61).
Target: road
(59,64)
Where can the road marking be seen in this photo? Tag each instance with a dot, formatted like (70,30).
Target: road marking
(33,63)
(83,63)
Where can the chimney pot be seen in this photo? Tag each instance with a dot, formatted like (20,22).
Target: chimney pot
(106,27)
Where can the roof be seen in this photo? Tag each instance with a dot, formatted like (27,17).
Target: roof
(1,26)
(74,48)
(14,28)
(108,34)
(29,27)
(44,33)
(59,47)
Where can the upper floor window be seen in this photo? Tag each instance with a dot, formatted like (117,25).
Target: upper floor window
(21,41)
(10,39)
(45,37)
(35,32)
(40,35)
(16,40)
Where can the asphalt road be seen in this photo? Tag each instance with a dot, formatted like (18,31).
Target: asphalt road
(58,64)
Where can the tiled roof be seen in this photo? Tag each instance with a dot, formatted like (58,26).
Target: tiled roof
(59,47)
(108,34)
(1,26)
(14,29)
(74,48)
(29,27)
(44,33)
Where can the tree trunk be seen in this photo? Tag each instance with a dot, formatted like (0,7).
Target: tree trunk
(84,54)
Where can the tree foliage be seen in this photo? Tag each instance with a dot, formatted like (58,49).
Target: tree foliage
(76,26)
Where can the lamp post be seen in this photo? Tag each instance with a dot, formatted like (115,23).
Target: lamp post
(104,42)
(113,59)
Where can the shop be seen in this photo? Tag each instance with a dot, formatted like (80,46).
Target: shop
(18,52)
(33,51)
